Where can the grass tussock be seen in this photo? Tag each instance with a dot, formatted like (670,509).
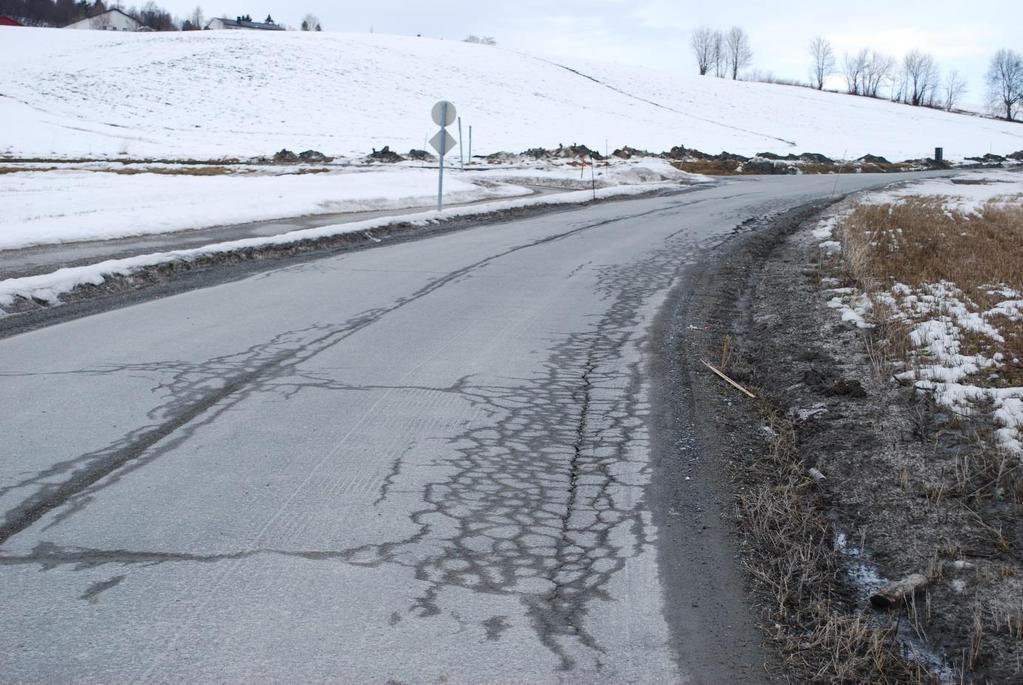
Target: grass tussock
(790,555)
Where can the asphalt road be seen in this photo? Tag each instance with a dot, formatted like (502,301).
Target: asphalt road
(426,462)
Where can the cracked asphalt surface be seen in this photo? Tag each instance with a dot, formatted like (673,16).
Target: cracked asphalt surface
(425,462)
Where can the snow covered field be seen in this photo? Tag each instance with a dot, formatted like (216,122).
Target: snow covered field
(213,94)
(963,194)
(960,295)
(100,201)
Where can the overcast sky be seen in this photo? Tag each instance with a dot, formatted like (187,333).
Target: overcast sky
(961,34)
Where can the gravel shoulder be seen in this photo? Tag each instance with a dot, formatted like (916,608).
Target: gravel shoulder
(697,427)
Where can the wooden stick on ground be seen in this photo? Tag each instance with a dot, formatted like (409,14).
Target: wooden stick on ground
(894,594)
(728,380)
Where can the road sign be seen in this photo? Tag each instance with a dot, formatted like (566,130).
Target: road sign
(444,113)
(443,142)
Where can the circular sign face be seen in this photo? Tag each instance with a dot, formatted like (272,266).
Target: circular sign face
(444,113)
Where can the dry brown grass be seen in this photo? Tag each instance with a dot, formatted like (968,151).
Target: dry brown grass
(709,167)
(789,553)
(725,167)
(168,171)
(920,241)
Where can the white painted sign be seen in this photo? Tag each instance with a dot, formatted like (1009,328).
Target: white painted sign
(444,113)
(443,142)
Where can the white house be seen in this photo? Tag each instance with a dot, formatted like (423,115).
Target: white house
(222,23)
(111,20)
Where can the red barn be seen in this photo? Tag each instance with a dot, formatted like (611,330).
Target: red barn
(7,21)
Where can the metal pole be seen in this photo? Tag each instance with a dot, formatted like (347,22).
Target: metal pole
(461,158)
(440,186)
(470,143)
(834,191)
(593,176)
(443,149)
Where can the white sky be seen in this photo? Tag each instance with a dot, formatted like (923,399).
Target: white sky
(961,34)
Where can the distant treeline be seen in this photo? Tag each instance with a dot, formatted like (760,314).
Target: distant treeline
(63,12)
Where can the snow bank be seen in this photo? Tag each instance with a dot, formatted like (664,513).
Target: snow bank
(60,206)
(49,287)
(210,94)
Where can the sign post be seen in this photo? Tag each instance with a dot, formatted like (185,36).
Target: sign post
(443,115)
(461,155)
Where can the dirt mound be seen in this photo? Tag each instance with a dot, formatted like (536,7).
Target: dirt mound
(286,156)
(314,157)
(386,155)
(420,156)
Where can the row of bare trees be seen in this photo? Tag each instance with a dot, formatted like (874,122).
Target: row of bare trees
(721,53)
(916,79)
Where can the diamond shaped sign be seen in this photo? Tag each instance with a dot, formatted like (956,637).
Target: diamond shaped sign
(443,142)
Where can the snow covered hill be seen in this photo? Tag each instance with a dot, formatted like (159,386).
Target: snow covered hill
(234,93)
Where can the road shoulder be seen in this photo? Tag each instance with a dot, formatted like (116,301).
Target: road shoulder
(696,426)
(830,486)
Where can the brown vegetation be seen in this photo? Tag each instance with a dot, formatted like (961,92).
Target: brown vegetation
(709,167)
(789,552)
(920,241)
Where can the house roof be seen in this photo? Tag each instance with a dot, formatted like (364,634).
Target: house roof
(255,25)
(8,21)
(89,20)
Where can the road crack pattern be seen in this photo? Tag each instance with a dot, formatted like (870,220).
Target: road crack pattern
(542,497)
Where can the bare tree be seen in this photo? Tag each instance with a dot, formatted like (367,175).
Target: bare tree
(702,43)
(1005,82)
(878,69)
(953,90)
(153,17)
(310,22)
(196,18)
(738,52)
(823,61)
(720,58)
(855,66)
(922,78)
